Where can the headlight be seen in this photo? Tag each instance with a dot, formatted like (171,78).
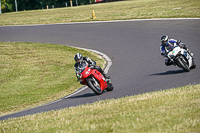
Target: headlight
(79,75)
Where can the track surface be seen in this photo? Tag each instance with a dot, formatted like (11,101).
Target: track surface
(133,47)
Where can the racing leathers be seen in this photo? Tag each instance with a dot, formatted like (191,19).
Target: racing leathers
(91,64)
(170,46)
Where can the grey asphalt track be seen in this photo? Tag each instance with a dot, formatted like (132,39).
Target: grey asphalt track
(137,66)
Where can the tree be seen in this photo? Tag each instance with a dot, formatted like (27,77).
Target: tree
(0,7)
(6,6)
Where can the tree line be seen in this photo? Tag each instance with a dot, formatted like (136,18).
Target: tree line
(9,5)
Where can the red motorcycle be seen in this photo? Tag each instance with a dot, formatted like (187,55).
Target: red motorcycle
(93,79)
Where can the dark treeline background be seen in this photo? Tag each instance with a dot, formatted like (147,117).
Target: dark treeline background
(9,5)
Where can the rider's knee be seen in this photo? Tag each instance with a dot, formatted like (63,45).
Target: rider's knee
(168,62)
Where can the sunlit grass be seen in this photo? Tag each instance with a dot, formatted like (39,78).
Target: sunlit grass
(32,74)
(122,10)
(175,110)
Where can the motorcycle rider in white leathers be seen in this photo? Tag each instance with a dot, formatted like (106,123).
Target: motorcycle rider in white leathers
(169,44)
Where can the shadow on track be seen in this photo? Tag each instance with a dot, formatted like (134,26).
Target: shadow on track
(83,95)
(168,72)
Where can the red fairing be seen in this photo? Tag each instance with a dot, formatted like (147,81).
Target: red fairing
(99,77)
(90,71)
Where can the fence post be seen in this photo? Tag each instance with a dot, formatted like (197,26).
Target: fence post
(0,7)
(71,3)
(16,5)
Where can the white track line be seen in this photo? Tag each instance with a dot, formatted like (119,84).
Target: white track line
(114,21)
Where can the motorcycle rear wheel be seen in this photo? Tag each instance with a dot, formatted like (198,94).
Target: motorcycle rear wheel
(193,64)
(92,86)
(109,86)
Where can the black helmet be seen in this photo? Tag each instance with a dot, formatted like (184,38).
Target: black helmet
(78,57)
(164,39)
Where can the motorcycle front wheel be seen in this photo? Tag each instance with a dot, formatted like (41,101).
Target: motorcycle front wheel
(94,85)
(182,63)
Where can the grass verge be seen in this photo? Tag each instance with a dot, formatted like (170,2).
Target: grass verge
(175,110)
(123,10)
(32,74)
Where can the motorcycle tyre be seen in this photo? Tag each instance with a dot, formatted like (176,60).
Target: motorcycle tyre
(92,87)
(109,86)
(182,65)
(193,64)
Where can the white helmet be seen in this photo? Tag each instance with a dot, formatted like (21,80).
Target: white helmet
(164,39)
(78,57)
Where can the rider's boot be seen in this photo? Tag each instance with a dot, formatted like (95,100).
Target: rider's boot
(168,62)
(102,72)
(105,75)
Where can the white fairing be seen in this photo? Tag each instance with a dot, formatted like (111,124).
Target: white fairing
(176,51)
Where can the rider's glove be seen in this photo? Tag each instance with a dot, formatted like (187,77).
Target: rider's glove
(92,66)
(77,76)
(178,42)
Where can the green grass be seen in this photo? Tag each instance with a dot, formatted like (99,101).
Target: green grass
(123,10)
(175,110)
(32,74)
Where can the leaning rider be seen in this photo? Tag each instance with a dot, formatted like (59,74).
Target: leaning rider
(169,44)
(92,64)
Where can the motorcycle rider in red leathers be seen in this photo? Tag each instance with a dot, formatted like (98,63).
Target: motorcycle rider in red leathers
(92,64)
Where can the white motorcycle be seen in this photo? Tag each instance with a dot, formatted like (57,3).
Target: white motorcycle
(181,58)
